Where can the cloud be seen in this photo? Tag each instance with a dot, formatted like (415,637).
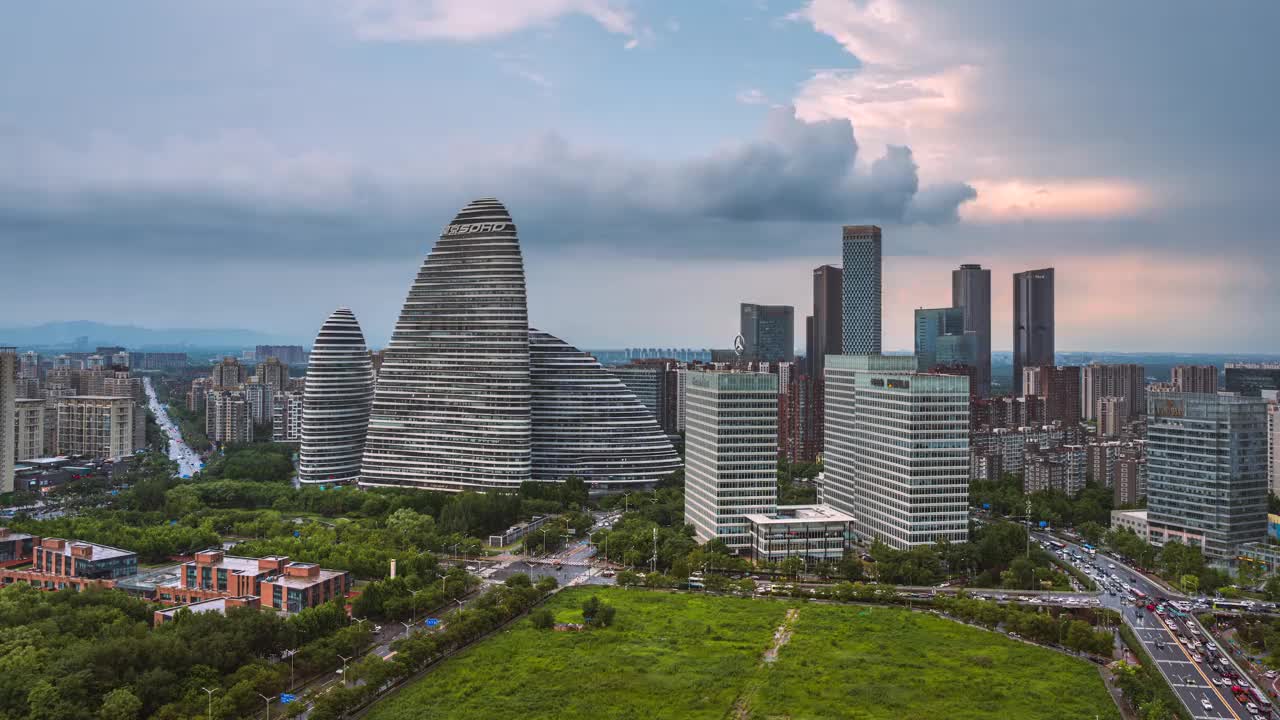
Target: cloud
(260,197)
(472,20)
(751,96)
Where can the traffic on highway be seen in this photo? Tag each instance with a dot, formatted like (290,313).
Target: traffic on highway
(188,460)
(1204,677)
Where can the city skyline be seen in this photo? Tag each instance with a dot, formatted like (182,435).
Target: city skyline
(950,150)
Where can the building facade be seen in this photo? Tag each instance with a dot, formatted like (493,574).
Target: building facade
(29,428)
(931,326)
(731,454)
(227,417)
(8,415)
(813,533)
(768,332)
(271,371)
(1195,378)
(911,457)
(286,354)
(228,373)
(335,402)
(96,426)
(1127,381)
(1252,378)
(1033,323)
(462,339)
(971,292)
(860,290)
(587,423)
(1206,470)
(286,416)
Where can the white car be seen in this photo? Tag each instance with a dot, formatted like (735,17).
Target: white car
(1204,703)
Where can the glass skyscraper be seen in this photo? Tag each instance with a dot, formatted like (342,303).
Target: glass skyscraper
(1033,323)
(861,290)
(971,291)
(1207,470)
(768,332)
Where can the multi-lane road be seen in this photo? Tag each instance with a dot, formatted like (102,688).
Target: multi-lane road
(188,460)
(1192,681)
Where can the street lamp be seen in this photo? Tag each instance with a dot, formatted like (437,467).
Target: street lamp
(415,602)
(289,654)
(459,607)
(544,541)
(406,627)
(210,692)
(626,498)
(345,660)
(267,700)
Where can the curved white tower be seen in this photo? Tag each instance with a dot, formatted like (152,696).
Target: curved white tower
(335,402)
(587,423)
(451,408)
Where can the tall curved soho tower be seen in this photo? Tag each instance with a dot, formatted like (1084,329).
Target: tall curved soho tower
(335,402)
(451,408)
(468,398)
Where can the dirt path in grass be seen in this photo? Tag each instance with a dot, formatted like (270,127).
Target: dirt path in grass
(741,709)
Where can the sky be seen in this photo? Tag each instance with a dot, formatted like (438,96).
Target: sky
(255,164)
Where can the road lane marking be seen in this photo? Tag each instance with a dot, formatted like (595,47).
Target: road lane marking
(1212,687)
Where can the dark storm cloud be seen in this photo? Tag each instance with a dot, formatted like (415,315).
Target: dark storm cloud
(796,172)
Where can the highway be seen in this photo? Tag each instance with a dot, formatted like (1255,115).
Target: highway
(1193,682)
(188,461)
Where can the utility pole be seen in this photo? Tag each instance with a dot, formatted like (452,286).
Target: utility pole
(344,669)
(267,700)
(289,654)
(1028,528)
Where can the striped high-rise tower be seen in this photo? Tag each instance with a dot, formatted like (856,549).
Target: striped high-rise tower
(451,410)
(335,402)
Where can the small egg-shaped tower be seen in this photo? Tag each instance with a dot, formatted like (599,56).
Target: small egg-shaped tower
(335,402)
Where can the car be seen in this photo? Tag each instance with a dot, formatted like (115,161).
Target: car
(1270,674)
(1252,708)
(1204,703)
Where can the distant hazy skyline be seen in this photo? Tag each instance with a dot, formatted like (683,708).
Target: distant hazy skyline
(235,164)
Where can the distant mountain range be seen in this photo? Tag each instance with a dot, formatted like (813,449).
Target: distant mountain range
(65,334)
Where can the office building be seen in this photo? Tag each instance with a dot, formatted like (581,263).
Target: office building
(841,490)
(911,457)
(1252,378)
(1273,444)
(29,428)
(860,290)
(813,533)
(228,373)
(899,492)
(96,426)
(335,402)
(971,292)
(286,354)
(8,410)
(587,423)
(272,372)
(76,559)
(646,383)
(935,324)
(768,332)
(1033,323)
(1133,520)
(731,454)
(283,585)
(463,340)
(227,417)
(828,281)
(14,546)
(1126,381)
(1207,470)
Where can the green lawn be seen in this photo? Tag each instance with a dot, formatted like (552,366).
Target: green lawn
(692,656)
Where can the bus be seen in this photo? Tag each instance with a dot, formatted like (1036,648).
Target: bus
(1241,605)
(1139,594)
(1260,699)
(1057,545)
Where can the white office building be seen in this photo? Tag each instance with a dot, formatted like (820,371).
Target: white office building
(897,449)
(731,453)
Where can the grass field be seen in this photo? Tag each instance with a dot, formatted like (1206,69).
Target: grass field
(693,656)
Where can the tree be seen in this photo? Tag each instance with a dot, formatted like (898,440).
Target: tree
(850,567)
(120,704)
(1272,588)
(543,619)
(1091,531)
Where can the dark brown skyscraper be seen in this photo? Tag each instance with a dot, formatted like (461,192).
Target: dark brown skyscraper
(1032,322)
(827,317)
(971,291)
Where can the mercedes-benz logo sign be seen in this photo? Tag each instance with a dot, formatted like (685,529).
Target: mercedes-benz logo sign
(739,345)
